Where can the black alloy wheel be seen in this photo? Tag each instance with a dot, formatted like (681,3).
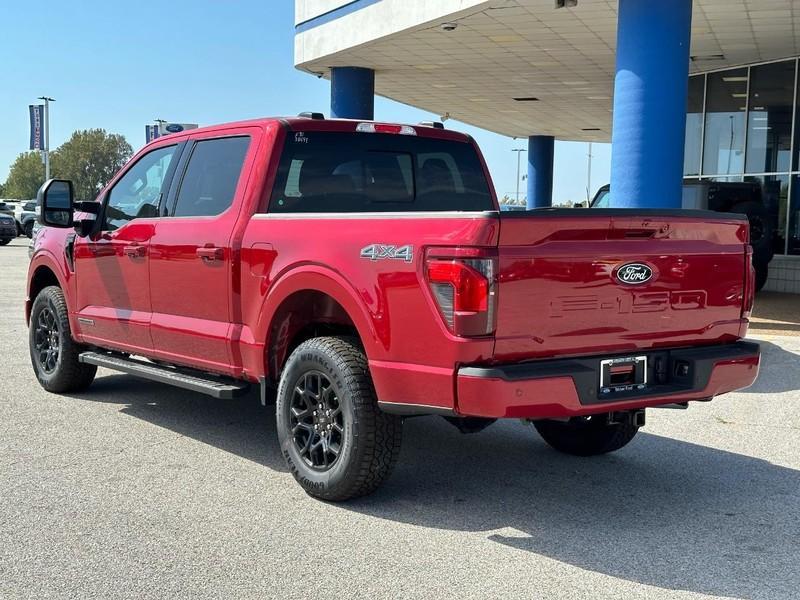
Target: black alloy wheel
(47,340)
(317,421)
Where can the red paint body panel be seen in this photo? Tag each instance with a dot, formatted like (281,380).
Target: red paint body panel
(559,296)
(556,290)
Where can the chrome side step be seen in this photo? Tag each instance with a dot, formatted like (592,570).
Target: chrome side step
(223,388)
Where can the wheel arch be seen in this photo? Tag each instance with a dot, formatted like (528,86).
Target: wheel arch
(310,301)
(41,274)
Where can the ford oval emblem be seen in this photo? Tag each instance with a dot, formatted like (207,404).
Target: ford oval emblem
(174,127)
(634,273)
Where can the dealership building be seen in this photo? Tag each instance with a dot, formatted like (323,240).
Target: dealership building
(703,89)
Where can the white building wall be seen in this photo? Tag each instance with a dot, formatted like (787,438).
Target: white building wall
(308,9)
(369,23)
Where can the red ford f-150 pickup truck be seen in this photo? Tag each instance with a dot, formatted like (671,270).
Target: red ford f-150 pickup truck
(361,272)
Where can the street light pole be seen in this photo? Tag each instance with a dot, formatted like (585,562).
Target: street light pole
(47,101)
(519,152)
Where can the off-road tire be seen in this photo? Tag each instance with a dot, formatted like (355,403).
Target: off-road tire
(586,436)
(68,375)
(370,441)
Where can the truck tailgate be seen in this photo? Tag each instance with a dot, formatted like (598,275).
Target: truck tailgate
(560,293)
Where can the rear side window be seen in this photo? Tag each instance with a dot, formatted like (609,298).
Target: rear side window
(373,172)
(209,183)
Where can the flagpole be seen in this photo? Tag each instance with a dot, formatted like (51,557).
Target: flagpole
(47,101)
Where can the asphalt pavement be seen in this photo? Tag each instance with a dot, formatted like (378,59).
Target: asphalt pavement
(137,490)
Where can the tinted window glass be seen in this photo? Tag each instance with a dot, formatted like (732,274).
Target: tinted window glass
(138,193)
(209,184)
(365,172)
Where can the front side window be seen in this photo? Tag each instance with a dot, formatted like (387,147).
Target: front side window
(209,184)
(372,172)
(138,192)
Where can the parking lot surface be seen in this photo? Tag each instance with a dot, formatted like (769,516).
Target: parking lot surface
(137,490)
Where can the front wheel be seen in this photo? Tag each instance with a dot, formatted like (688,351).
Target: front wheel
(54,354)
(27,229)
(5,242)
(336,441)
(586,436)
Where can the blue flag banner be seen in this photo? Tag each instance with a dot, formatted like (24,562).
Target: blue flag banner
(37,126)
(151,133)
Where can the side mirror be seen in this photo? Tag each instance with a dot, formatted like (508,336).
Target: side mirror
(55,199)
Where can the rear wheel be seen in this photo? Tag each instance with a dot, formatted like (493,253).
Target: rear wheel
(54,354)
(586,436)
(336,441)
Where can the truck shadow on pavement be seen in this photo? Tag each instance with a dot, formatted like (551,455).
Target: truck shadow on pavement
(242,427)
(660,512)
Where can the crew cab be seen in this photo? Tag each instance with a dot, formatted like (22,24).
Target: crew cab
(360,273)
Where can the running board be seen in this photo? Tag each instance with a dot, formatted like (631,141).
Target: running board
(222,388)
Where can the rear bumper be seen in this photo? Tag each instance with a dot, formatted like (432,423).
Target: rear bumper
(571,387)
(8,232)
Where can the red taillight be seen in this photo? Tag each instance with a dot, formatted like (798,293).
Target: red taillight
(470,288)
(465,292)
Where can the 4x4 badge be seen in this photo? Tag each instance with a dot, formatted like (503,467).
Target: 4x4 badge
(382,251)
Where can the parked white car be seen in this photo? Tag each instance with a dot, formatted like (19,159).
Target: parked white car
(25,214)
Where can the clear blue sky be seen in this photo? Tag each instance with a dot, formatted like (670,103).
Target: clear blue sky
(119,65)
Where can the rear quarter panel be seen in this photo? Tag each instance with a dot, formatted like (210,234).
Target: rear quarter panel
(387,299)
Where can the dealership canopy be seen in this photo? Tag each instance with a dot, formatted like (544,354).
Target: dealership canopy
(519,67)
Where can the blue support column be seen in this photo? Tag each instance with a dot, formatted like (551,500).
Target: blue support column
(650,103)
(352,93)
(540,171)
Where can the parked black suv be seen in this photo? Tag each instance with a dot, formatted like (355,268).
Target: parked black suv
(8,229)
(744,198)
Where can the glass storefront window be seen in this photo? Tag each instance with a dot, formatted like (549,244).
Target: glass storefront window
(774,193)
(694,126)
(726,103)
(794,218)
(769,129)
(739,140)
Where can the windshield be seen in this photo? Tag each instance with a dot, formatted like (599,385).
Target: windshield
(602,200)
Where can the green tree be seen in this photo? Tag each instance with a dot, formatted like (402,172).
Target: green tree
(90,158)
(25,177)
